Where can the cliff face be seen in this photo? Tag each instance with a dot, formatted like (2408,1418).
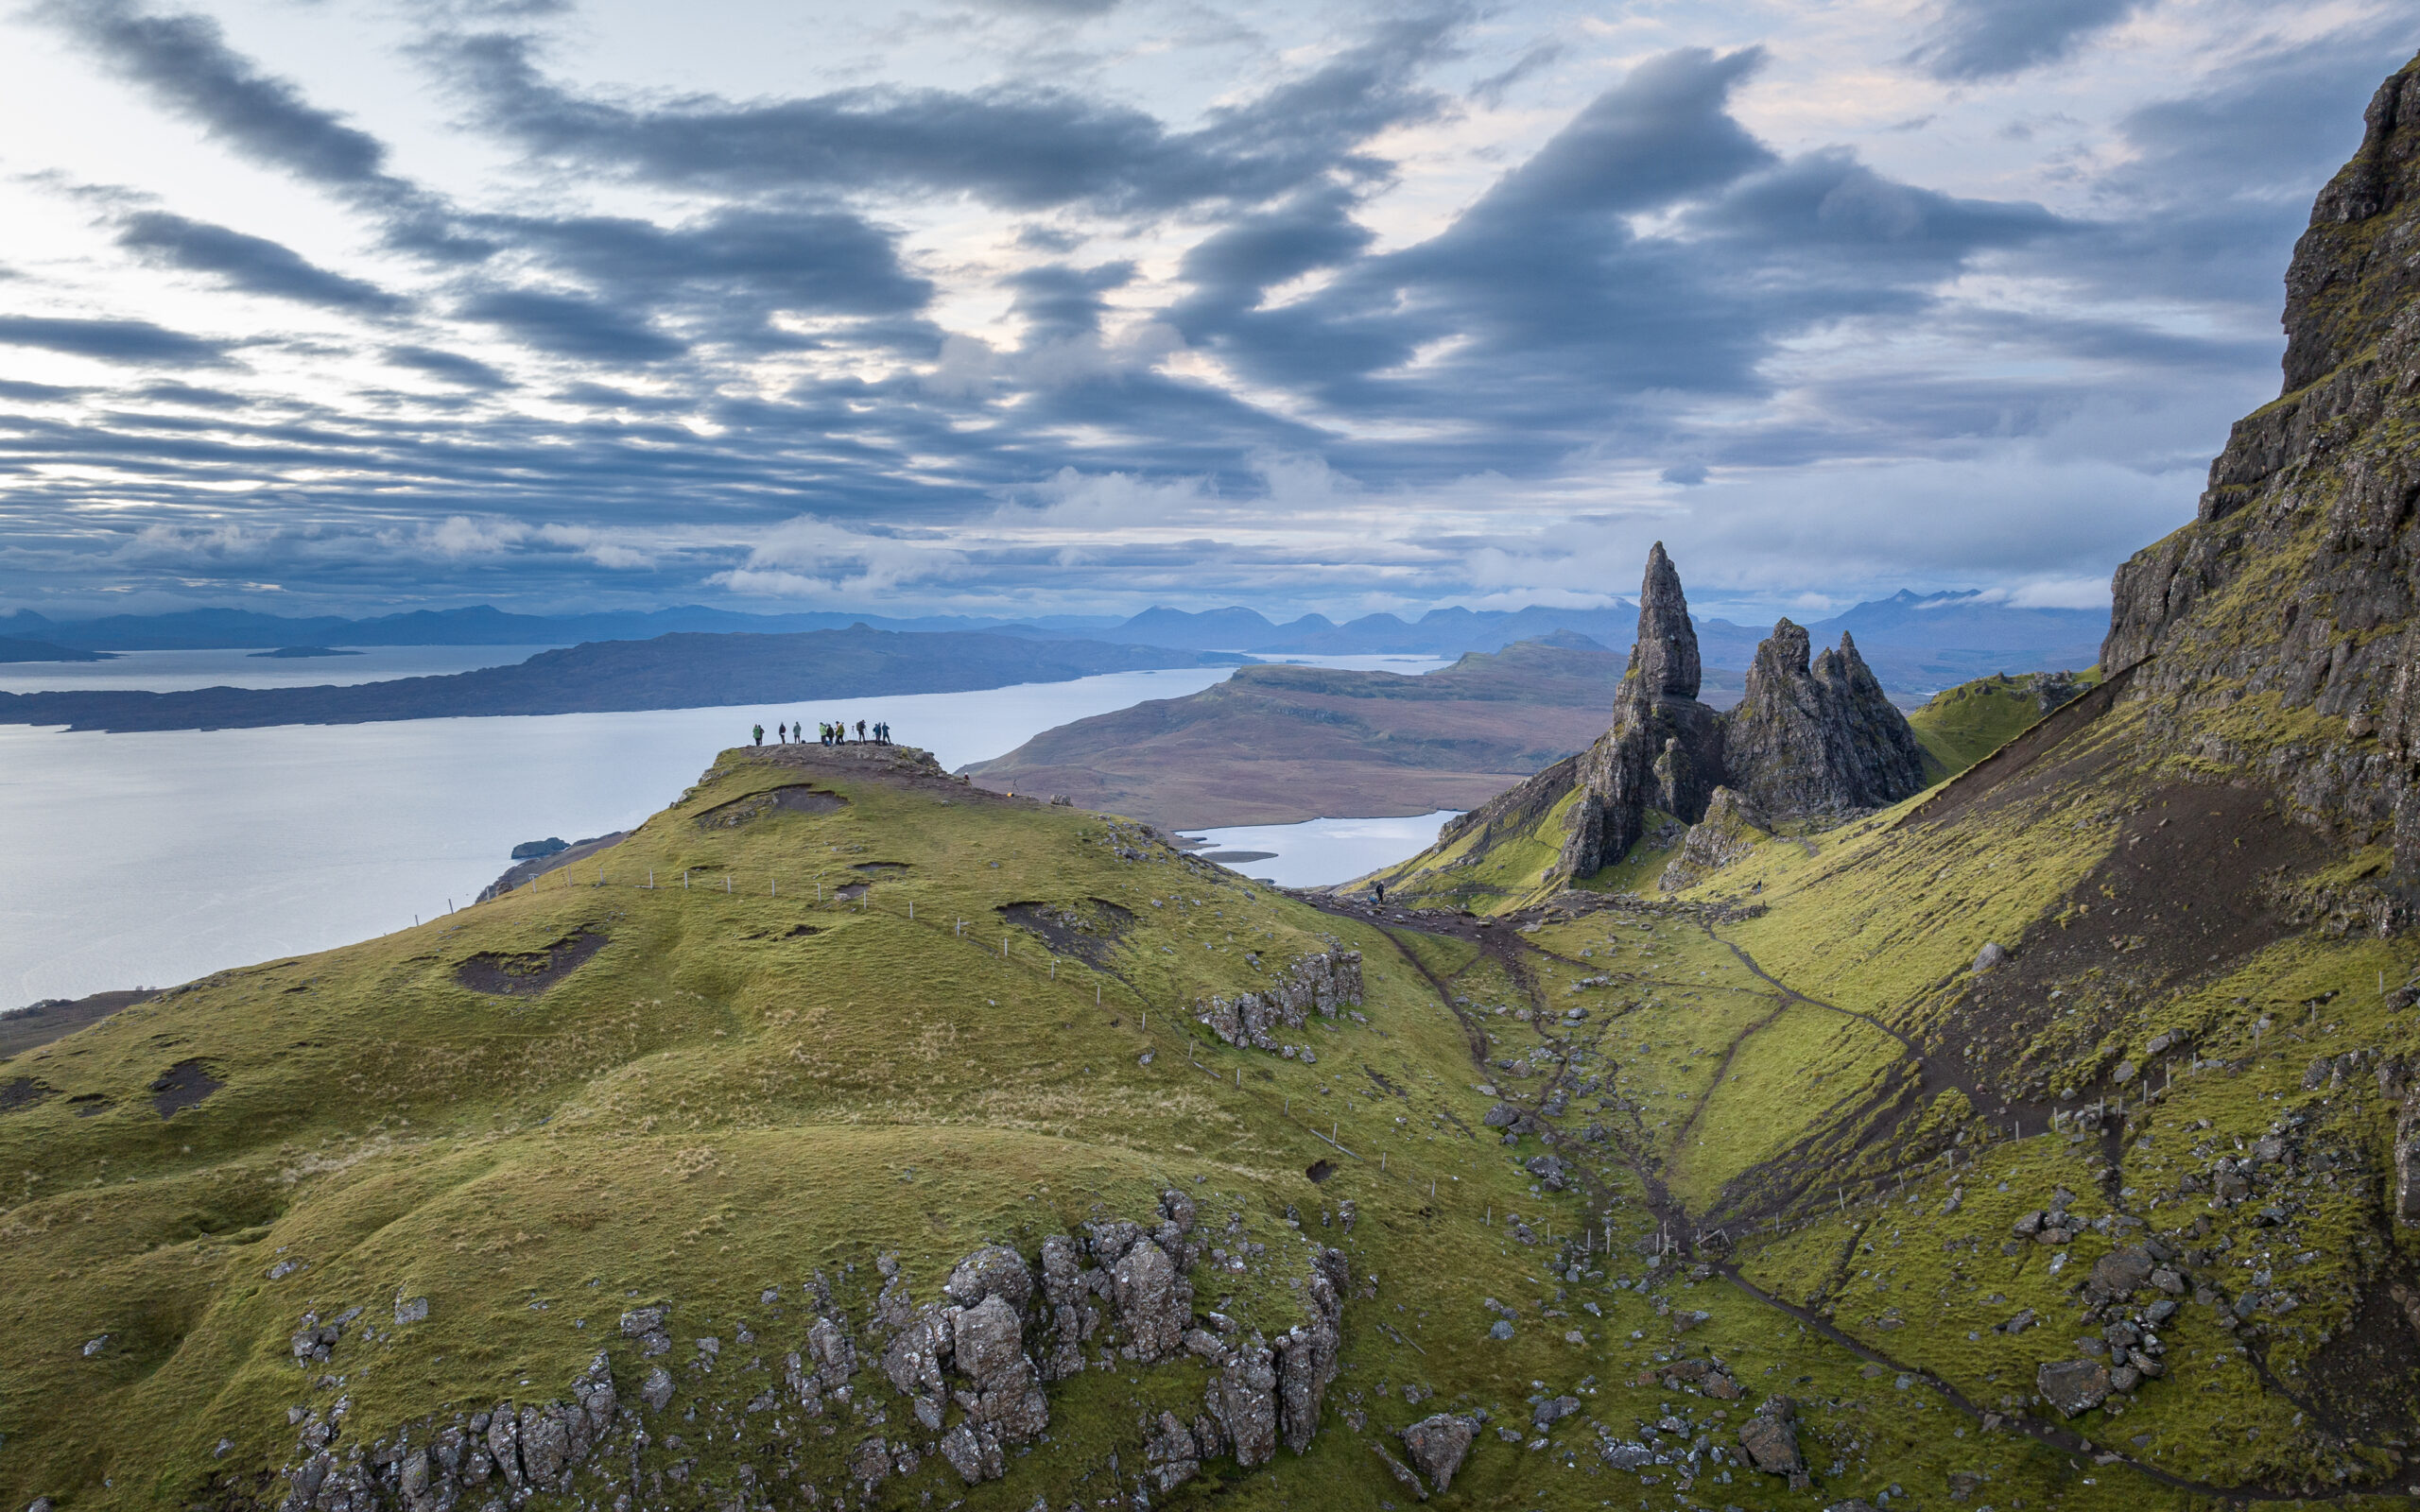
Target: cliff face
(1820,738)
(2276,633)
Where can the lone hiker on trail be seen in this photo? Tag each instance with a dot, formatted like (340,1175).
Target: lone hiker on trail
(760,734)
(1378,890)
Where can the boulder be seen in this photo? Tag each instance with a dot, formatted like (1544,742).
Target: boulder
(1436,1445)
(2122,1271)
(1770,1439)
(2073,1386)
(1170,1454)
(1991,957)
(974,1453)
(1154,1304)
(1242,1401)
(993,1270)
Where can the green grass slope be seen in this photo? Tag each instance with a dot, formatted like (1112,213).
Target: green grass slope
(1960,726)
(1692,1156)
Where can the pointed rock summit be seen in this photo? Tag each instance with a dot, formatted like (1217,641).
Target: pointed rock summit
(1665,749)
(1820,738)
(1810,739)
(1664,658)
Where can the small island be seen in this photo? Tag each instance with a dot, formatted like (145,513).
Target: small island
(287,653)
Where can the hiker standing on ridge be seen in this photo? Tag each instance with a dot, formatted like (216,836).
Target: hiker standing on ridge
(861,729)
(760,734)
(780,735)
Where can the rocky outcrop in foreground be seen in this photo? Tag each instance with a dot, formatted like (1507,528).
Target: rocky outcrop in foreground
(858,1402)
(1326,984)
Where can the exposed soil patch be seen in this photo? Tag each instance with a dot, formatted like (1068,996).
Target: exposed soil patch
(530,870)
(1321,1170)
(2368,1376)
(528,973)
(849,892)
(23,1092)
(56,1017)
(2188,892)
(798,797)
(89,1103)
(182,1085)
(881,871)
(1089,930)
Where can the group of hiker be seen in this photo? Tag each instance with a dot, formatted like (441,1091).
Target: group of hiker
(827,732)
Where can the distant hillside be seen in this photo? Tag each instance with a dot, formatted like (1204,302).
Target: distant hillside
(1963,725)
(1914,644)
(1275,744)
(14,649)
(669,672)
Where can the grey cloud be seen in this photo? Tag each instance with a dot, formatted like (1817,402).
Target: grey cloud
(252,264)
(183,393)
(129,341)
(1019,148)
(451,366)
(186,61)
(568,325)
(1973,40)
(27,393)
(1562,318)
(731,270)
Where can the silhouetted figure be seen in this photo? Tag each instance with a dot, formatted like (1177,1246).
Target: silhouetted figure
(760,734)
(861,729)
(1379,891)
(782,735)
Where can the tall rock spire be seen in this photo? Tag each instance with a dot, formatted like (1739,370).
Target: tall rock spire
(1664,658)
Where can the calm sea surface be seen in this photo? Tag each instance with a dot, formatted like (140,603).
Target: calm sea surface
(1319,852)
(180,671)
(149,859)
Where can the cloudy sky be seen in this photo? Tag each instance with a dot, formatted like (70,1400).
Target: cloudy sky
(1078,305)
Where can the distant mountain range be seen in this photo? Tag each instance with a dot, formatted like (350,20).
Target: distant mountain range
(481,624)
(1915,644)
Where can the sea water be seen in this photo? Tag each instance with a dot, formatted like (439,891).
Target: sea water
(181,671)
(1318,853)
(150,858)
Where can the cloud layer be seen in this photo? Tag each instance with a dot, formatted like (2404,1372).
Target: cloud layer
(1109,303)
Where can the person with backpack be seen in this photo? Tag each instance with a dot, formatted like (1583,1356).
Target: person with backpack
(760,734)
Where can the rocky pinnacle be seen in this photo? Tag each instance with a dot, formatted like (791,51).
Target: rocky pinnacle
(1665,657)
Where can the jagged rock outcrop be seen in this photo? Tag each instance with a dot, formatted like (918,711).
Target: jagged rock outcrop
(964,1367)
(1665,748)
(1730,830)
(1809,740)
(1817,739)
(2295,587)
(1326,984)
